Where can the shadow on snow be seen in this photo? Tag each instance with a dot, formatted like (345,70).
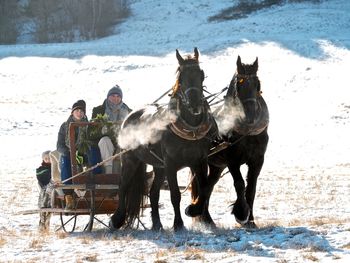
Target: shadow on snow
(263,242)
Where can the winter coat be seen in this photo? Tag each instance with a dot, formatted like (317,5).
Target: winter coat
(63,136)
(101,109)
(43,174)
(112,129)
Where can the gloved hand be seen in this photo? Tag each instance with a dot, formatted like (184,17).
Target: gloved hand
(79,158)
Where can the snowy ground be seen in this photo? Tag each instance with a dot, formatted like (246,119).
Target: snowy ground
(303,197)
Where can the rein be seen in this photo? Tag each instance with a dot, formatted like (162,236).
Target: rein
(215,95)
(165,93)
(224,145)
(117,155)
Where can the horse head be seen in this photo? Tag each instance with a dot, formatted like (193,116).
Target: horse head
(192,109)
(243,101)
(245,86)
(189,84)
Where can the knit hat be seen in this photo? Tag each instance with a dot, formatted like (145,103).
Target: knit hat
(115,90)
(80,104)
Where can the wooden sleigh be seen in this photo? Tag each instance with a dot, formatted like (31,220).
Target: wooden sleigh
(94,194)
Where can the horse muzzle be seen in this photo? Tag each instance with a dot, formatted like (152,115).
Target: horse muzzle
(250,109)
(196,110)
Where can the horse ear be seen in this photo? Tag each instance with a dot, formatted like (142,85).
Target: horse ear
(239,64)
(196,53)
(179,58)
(239,60)
(256,64)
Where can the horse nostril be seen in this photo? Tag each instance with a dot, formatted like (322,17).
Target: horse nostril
(196,110)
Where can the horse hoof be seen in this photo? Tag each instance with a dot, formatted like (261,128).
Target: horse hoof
(111,226)
(116,222)
(206,221)
(157,227)
(187,211)
(241,214)
(242,222)
(210,227)
(179,228)
(250,225)
(192,211)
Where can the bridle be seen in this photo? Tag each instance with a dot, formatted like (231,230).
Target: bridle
(242,78)
(261,120)
(180,127)
(183,94)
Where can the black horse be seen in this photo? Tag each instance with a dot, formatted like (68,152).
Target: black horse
(183,142)
(243,120)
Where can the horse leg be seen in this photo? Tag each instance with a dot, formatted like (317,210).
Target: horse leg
(241,209)
(197,206)
(252,178)
(213,178)
(175,196)
(154,198)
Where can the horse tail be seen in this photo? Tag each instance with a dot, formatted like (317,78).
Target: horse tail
(136,194)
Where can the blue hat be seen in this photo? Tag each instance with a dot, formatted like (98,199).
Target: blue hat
(115,90)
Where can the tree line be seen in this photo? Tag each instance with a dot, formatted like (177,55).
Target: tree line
(59,21)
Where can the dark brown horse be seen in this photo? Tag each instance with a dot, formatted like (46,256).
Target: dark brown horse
(243,121)
(183,142)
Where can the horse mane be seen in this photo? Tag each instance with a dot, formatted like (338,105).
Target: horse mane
(175,88)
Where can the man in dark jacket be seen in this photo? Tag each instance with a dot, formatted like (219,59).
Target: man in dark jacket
(113,106)
(116,111)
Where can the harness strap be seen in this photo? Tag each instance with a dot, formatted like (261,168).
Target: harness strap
(246,76)
(224,145)
(156,156)
(188,133)
(259,124)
